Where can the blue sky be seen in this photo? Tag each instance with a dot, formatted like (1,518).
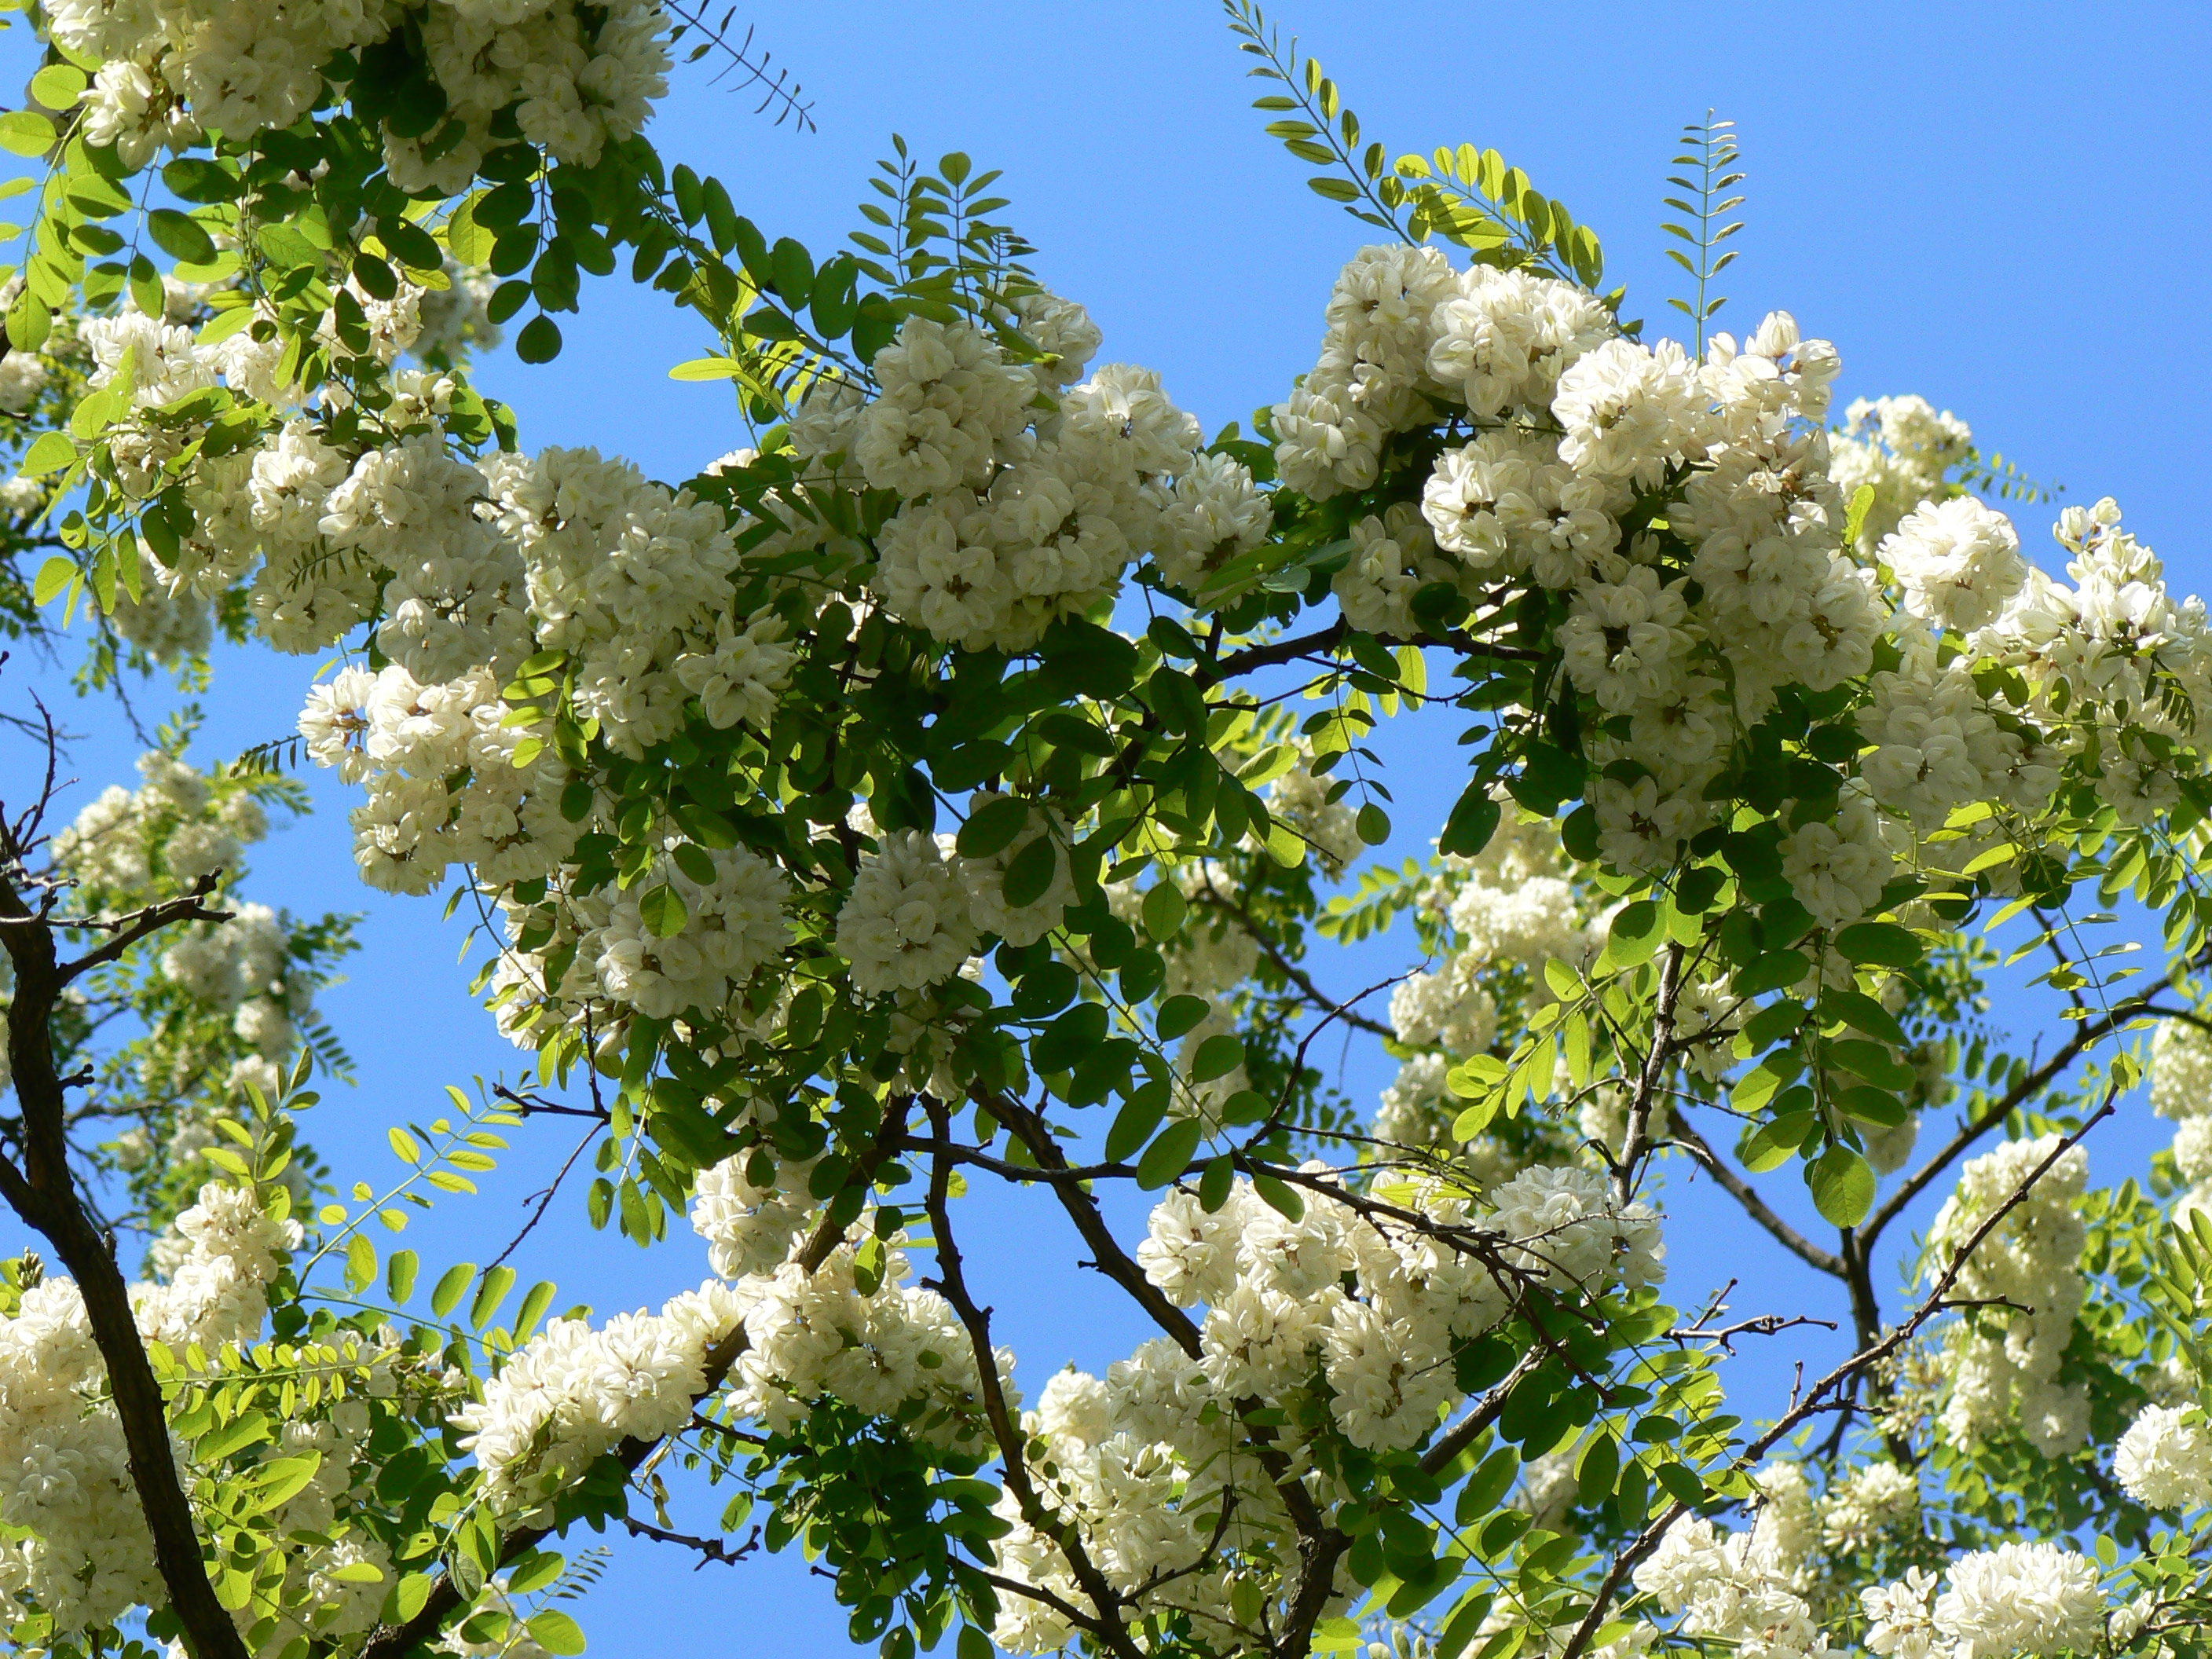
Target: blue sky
(1997,208)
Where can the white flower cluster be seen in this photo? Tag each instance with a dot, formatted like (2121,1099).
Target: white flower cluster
(1903,449)
(1872,1500)
(65,1472)
(2031,1599)
(178,826)
(1506,912)
(1740,1588)
(919,910)
(576,75)
(2116,668)
(788,1334)
(1358,1311)
(23,375)
(443,786)
(1311,807)
(583,557)
(1571,421)
(896,1350)
(1279,1312)
(2003,1365)
(84,1556)
(1016,514)
(2181,1089)
(1410,341)
(2165,1459)
(217,1289)
(572,1393)
(241,964)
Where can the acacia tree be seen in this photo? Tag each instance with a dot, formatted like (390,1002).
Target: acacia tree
(952,786)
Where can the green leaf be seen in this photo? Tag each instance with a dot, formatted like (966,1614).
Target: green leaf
(1166,1158)
(181,236)
(361,1263)
(792,270)
(1773,1143)
(285,247)
(1279,1196)
(196,178)
(1772,972)
(556,1632)
(1473,820)
(58,85)
(497,1282)
(146,292)
(1486,1487)
(707,368)
(1864,1012)
(1217,1057)
(472,243)
(1843,1185)
(26,132)
(1882,943)
(1373,824)
(235,1436)
(1335,1636)
(1855,517)
(57,573)
(1873,1062)
(282,1479)
(1179,1014)
(413,1595)
(52,452)
(399,1276)
(661,908)
(534,1571)
(539,342)
(535,1302)
(1165,912)
(1215,1185)
(1681,1483)
(722,216)
(1029,875)
(1635,933)
(991,827)
(1134,1123)
(447,1295)
(1599,1467)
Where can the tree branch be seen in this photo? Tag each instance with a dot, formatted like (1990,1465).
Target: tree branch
(1817,1400)
(1320,1546)
(445,1600)
(43,1194)
(1289,969)
(1753,1205)
(1105,1622)
(1636,1138)
(2090,1033)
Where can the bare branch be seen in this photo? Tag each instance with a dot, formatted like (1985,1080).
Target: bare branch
(1756,1207)
(709,1549)
(1105,1623)
(1819,1399)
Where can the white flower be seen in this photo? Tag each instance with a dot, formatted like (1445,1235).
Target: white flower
(2165,1459)
(906,923)
(1958,561)
(738,680)
(2032,1598)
